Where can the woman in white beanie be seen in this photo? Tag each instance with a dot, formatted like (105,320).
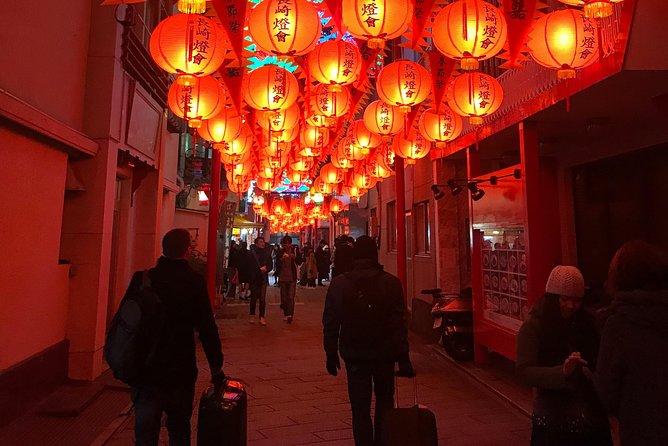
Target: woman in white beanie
(556,349)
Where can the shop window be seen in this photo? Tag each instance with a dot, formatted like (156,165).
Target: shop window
(421,228)
(392,226)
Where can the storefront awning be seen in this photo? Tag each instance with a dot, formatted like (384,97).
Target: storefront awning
(241,222)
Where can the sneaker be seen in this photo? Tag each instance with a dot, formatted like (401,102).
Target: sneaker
(289,319)
(263,321)
(252,319)
(285,318)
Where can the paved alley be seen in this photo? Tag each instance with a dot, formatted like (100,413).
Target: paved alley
(293,401)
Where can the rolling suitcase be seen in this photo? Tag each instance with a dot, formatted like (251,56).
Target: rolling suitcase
(223,415)
(414,426)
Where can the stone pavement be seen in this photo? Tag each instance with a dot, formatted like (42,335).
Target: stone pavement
(292,400)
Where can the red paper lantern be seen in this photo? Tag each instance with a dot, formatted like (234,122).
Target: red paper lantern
(196,99)
(330,102)
(279,120)
(335,62)
(403,83)
(239,145)
(302,163)
(188,44)
(279,207)
(440,126)
(383,118)
(267,184)
(222,128)
(362,179)
(339,160)
(314,138)
(412,148)
(564,40)
(352,151)
(270,87)
(475,95)
(469,31)
(336,206)
(285,27)
(377,20)
(364,138)
(331,174)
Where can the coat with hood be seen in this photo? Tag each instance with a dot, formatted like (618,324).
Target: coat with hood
(364,317)
(632,374)
(544,342)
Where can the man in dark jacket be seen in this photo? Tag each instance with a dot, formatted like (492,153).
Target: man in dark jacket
(169,384)
(288,258)
(262,264)
(364,319)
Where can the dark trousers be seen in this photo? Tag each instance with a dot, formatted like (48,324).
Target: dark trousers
(151,401)
(258,292)
(361,377)
(288,290)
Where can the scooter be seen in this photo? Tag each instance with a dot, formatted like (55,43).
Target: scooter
(453,316)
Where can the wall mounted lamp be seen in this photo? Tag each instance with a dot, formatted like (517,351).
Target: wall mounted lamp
(456,186)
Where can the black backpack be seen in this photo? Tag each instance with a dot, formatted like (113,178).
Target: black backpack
(133,336)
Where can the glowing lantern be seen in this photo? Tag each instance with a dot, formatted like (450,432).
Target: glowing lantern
(364,138)
(320,186)
(192,6)
(272,25)
(377,20)
(188,44)
(335,62)
(314,138)
(564,40)
(440,126)
(469,31)
(377,168)
(279,120)
(239,145)
(330,103)
(339,159)
(353,192)
(412,148)
(336,206)
(297,206)
(235,158)
(222,128)
(270,87)
(403,83)
(241,169)
(475,95)
(352,151)
(266,184)
(383,118)
(362,179)
(331,174)
(287,135)
(197,99)
(594,9)
(295,177)
(276,148)
(302,164)
(279,207)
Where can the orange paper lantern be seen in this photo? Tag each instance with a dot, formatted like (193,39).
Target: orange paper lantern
(331,174)
(188,44)
(330,102)
(339,160)
(475,95)
(364,138)
(469,31)
(197,99)
(411,148)
(403,83)
(383,118)
(270,87)
(336,206)
(377,20)
(335,62)
(239,145)
(440,126)
(222,128)
(564,40)
(279,120)
(285,27)
(279,207)
(314,138)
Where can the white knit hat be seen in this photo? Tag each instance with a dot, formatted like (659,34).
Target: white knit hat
(565,281)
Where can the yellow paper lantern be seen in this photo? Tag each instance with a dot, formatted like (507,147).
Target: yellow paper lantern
(469,31)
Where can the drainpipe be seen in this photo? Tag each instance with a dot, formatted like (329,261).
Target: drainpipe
(214,213)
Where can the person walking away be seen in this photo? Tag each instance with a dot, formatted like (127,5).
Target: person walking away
(364,320)
(232,274)
(274,258)
(311,268)
(343,255)
(262,263)
(632,377)
(169,383)
(245,266)
(288,259)
(556,353)
(322,256)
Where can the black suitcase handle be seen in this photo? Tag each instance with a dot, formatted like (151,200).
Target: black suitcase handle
(396,391)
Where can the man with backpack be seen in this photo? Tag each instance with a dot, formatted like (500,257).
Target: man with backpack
(166,329)
(364,320)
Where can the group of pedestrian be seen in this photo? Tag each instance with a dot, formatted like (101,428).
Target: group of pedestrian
(583,380)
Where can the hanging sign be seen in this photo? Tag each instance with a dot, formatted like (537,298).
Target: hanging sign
(519,16)
(232,15)
(442,68)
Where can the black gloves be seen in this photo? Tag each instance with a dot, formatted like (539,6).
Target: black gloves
(333,364)
(405,367)
(217,378)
